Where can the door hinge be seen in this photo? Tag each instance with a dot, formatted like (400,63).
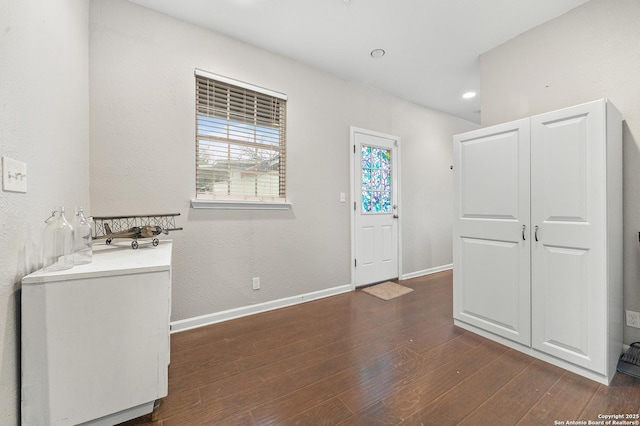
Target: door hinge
(355,263)
(354,206)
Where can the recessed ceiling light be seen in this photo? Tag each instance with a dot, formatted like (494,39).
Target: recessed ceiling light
(377,53)
(469,95)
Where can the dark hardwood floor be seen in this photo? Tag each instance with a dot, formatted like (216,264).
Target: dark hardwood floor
(354,359)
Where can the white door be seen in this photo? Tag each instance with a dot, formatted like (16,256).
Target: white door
(375,206)
(491,251)
(568,184)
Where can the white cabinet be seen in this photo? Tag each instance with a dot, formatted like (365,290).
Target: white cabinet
(95,338)
(538,236)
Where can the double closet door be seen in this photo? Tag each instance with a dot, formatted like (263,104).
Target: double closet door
(537,232)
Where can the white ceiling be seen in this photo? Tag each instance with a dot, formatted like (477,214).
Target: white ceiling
(432,46)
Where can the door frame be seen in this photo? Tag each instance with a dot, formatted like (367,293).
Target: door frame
(354,197)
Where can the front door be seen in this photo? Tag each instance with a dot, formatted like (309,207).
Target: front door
(375,206)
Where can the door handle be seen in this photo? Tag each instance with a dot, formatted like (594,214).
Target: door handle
(524,227)
(395,216)
(536,233)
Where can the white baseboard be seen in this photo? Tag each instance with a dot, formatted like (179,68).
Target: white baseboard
(427,271)
(201,321)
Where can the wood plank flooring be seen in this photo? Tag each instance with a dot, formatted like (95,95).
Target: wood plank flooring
(354,359)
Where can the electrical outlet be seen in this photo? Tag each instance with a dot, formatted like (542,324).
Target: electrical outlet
(256,283)
(633,319)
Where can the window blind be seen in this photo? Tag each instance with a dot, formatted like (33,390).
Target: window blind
(240,140)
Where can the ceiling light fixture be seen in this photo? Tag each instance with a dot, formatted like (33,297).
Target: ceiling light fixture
(377,53)
(469,95)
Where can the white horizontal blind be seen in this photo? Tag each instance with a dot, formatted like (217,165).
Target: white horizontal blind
(240,141)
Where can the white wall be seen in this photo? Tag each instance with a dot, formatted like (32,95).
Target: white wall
(142,160)
(589,53)
(427,182)
(44,121)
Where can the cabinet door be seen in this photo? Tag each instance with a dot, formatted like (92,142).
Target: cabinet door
(491,252)
(568,208)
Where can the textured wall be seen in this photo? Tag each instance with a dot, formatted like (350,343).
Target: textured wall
(44,122)
(142,160)
(586,54)
(427,182)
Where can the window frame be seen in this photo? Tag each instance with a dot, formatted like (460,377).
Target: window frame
(237,201)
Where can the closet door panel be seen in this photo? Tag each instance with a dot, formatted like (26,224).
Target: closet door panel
(491,234)
(564,274)
(568,216)
(490,270)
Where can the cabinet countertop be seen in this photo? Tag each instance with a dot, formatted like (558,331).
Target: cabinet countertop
(110,260)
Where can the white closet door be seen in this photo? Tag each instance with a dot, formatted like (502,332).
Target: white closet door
(491,251)
(568,208)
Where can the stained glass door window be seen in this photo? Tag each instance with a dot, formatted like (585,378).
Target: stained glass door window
(376,180)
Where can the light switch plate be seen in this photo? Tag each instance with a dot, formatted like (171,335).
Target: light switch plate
(14,175)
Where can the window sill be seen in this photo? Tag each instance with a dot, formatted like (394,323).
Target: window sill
(240,205)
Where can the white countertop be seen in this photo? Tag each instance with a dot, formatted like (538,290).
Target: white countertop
(114,259)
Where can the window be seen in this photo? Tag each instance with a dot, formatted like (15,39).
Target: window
(376,180)
(240,141)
